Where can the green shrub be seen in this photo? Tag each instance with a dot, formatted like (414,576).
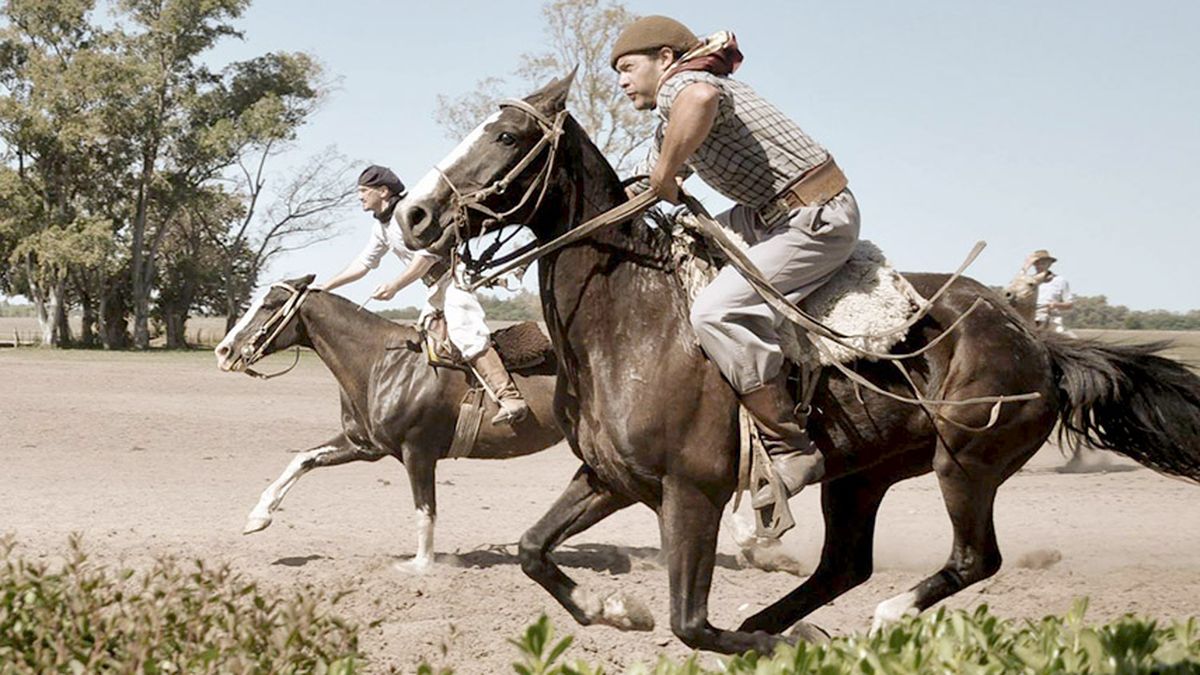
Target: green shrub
(939,642)
(85,618)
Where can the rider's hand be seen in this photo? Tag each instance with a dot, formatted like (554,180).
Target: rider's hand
(666,187)
(384,292)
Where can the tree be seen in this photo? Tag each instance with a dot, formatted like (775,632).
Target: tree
(112,135)
(579,33)
(49,54)
(305,211)
(190,124)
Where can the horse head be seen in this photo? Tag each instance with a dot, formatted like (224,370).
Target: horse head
(268,326)
(498,175)
(1021,292)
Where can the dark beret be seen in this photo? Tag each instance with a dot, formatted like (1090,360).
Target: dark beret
(376,176)
(651,32)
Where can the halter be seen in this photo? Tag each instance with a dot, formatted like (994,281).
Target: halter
(465,202)
(271,329)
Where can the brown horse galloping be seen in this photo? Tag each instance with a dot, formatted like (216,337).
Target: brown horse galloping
(654,422)
(393,402)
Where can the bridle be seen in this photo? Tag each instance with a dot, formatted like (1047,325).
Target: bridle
(466,202)
(271,328)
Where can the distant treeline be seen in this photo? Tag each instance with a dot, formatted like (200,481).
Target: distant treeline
(1095,312)
(8,309)
(523,306)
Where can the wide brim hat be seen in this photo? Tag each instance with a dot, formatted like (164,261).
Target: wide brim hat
(1042,254)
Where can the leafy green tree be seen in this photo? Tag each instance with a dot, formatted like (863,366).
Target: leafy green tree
(578,33)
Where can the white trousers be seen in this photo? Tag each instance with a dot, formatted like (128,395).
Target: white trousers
(464,317)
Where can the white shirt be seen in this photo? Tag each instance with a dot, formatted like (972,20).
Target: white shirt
(1055,290)
(385,236)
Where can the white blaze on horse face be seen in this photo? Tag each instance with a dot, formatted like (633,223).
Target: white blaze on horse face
(227,343)
(425,188)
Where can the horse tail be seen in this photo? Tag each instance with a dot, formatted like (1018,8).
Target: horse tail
(1128,399)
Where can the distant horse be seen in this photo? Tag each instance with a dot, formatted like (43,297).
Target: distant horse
(1021,294)
(393,401)
(654,422)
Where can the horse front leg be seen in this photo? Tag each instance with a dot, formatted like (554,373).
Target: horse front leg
(420,463)
(337,450)
(689,520)
(585,502)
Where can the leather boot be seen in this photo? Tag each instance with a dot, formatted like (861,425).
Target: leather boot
(796,459)
(490,370)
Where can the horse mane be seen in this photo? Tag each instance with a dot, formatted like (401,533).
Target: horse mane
(366,316)
(645,237)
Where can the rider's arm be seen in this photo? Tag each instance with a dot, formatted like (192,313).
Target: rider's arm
(647,165)
(376,248)
(415,270)
(692,116)
(353,272)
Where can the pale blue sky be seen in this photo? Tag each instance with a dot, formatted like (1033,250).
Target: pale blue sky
(1071,126)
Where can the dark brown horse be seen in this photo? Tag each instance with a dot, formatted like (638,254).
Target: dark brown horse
(393,402)
(654,422)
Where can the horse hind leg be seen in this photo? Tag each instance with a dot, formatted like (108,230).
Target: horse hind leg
(337,450)
(585,502)
(850,505)
(969,492)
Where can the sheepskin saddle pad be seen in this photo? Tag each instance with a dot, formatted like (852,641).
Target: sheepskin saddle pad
(866,299)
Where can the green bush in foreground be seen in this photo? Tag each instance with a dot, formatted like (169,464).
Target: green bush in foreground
(85,619)
(939,642)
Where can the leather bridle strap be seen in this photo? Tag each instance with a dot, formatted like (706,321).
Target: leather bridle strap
(618,214)
(271,329)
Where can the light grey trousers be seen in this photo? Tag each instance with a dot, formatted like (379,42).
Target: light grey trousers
(736,328)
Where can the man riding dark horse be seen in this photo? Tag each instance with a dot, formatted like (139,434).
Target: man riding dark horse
(792,206)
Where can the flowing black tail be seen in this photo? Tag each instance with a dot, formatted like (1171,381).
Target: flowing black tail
(1128,399)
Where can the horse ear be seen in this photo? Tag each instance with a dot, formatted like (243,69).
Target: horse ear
(552,98)
(301,283)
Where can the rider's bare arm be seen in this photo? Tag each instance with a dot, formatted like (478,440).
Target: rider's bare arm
(353,272)
(414,271)
(692,117)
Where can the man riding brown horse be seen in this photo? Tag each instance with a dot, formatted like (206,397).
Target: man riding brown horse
(380,190)
(792,206)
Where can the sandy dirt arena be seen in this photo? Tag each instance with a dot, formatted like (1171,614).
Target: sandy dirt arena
(147,454)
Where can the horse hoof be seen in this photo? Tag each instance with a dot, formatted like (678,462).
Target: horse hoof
(256,525)
(810,633)
(414,566)
(625,613)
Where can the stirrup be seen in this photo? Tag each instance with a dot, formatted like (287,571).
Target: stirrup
(773,515)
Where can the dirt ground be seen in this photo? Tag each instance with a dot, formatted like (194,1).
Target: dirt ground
(159,453)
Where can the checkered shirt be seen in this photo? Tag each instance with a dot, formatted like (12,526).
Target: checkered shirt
(753,150)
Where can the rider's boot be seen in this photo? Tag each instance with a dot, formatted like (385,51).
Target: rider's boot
(795,458)
(490,370)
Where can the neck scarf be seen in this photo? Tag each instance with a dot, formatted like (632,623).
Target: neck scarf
(717,54)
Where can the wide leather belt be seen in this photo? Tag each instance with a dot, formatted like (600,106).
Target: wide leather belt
(813,188)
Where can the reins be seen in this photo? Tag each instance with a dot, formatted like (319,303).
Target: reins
(273,326)
(552,130)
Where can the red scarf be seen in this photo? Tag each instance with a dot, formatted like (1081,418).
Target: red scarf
(717,54)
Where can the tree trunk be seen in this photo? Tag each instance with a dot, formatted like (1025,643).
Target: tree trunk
(139,263)
(87,329)
(62,327)
(114,329)
(175,322)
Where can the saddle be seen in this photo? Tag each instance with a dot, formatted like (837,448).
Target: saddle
(523,347)
(866,299)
